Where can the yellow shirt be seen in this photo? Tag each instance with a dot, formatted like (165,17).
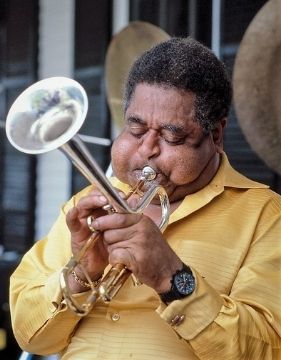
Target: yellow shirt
(229,233)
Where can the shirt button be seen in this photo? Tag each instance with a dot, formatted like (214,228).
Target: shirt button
(115,317)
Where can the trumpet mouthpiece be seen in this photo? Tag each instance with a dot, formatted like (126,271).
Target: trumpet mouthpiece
(148,173)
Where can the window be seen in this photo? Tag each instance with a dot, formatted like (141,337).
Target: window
(18,70)
(18,47)
(92,35)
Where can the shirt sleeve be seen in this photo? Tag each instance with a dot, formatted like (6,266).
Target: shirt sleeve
(246,323)
(37,309)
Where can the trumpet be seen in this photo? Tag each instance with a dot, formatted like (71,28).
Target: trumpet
(48,116)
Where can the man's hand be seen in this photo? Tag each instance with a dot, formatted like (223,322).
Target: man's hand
(136,241)
(95,259)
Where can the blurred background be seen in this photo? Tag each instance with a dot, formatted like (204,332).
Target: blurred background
(42,38)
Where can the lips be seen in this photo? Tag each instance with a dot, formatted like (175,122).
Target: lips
(160,178)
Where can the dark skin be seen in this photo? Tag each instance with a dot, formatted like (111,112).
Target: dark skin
(160,131)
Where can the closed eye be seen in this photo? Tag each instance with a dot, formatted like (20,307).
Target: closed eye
(136,127)
(173,136)
(174,141)
(137,131)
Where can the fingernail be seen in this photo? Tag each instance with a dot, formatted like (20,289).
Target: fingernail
(122,195)
(103,199)
(95,224)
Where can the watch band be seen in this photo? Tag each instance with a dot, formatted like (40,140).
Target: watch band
(173,293)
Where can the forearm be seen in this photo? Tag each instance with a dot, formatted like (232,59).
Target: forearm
(218,327)
(41,322)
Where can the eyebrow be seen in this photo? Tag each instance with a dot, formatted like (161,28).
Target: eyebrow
(175,129)
(136,119)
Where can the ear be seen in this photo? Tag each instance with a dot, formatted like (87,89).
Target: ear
(217,134)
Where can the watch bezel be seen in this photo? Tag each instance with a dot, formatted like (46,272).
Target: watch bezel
(189,287)
(176,294)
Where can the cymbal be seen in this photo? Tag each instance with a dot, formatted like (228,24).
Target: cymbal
(125,47)
(257,84)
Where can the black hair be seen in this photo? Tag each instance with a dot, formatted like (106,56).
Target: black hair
(186,64)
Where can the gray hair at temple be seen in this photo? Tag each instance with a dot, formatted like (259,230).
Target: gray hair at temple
(185,64)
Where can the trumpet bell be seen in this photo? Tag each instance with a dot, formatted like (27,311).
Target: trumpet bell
(46,115)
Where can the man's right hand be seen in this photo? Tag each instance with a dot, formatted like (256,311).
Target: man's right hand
(95,259)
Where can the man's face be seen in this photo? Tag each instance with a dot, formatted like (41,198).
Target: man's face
(160,131)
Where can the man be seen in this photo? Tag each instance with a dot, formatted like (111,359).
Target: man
(210,282)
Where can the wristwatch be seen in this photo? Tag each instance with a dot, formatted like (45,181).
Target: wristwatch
(182,285)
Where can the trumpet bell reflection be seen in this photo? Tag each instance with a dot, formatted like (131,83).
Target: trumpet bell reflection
(46,115)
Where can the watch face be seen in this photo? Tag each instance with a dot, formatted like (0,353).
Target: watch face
(184,283)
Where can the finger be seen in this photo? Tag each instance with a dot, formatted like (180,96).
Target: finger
(98,192)
(72,219)
(116,221)
(133,201)
(115,236)
(75,225)
(121,194)
(89,203)
(120,256)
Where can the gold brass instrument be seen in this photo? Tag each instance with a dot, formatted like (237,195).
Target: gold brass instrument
(48,116)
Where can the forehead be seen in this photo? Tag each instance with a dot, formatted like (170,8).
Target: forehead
(161,103)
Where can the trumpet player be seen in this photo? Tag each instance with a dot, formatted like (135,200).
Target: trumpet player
(210,283)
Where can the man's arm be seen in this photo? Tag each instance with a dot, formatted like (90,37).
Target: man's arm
(246,323)
(41,322)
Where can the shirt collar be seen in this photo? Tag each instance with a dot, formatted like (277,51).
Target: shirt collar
(226,177)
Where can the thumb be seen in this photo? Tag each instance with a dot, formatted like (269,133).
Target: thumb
(72,220)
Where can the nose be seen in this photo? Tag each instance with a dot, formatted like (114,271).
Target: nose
(149,146)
